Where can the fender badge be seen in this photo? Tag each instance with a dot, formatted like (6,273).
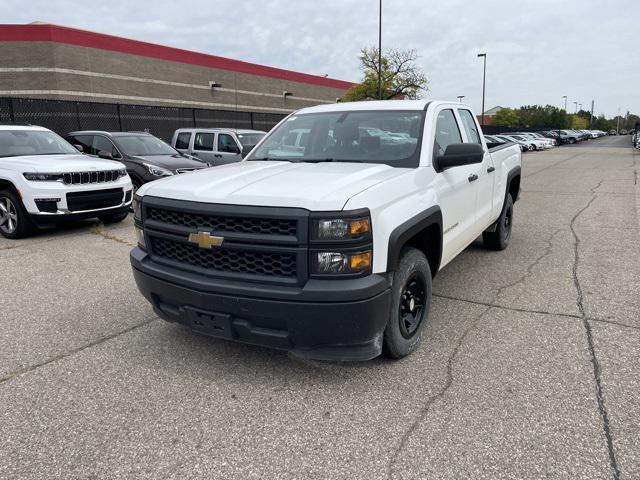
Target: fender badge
(205,240)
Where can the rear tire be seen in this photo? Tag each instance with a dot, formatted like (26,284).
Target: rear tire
(499,239)
(410,304)
(14,219)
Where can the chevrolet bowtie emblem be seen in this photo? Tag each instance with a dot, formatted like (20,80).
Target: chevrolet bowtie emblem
(205,240)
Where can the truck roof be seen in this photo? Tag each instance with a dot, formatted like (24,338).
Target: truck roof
(377,105)
(18,126)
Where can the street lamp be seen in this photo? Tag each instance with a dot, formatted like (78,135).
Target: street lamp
(380,53)
(576,104)
(580,107)
(460,97)
(565,103)
(484,78)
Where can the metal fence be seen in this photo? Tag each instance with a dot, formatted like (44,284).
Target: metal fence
(63,116)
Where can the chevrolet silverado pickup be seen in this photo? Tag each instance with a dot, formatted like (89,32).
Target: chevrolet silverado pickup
(327,248)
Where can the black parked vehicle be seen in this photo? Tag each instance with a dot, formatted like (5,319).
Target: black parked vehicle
(146,157)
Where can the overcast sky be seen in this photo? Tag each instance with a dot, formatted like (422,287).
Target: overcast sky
(537,50)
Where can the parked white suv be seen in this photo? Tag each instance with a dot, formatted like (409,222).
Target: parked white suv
(45,180)
(216,146)
(327,251)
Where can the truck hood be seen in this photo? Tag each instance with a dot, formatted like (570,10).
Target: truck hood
(58,163)
(170,162)
(314,186)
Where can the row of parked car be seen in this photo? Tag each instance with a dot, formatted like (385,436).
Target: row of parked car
(545,139)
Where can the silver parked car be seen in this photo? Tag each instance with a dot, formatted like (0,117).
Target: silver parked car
(216,146)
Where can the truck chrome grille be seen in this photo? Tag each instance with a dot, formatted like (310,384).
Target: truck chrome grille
(232,261)
(220,223)
(81,178)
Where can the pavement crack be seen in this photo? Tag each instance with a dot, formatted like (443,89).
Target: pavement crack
(589,334)
(11,375)
(424,410)
(99,230)
(552,165)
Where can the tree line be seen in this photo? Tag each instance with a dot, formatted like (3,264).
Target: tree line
(538,116)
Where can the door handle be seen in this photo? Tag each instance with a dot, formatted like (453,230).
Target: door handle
(217,155)
(491,169)
(195,154)
(473,177)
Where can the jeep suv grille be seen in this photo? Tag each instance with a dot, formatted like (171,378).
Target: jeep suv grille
(81,178)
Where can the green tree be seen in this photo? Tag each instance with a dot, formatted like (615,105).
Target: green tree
(401,77)
(578,123)
(506,117)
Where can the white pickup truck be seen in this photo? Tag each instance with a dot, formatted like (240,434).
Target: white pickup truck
(328,250)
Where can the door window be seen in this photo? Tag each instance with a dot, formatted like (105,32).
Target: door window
(469,126)
(182,142)
(101,143)
(204,142)
(447,132)
(84,141)
(226,143)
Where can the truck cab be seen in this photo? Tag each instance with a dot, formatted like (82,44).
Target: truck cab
(216,146)
(324,240)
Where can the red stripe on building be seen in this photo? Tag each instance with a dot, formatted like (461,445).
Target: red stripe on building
(84,38)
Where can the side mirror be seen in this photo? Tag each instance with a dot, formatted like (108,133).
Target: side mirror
(105,154)
(459,154)
(80,148)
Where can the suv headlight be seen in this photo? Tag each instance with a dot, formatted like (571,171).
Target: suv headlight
(341,228)
(158,171)
(43,177)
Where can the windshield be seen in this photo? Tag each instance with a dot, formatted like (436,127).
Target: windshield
(250,139)
(391,137)
(15,143)
(143,145)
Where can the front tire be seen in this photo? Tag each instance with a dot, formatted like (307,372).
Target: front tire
(14,219)
(115,218)
(499,239)
(410,304)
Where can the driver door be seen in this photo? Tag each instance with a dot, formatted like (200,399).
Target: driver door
(228,149)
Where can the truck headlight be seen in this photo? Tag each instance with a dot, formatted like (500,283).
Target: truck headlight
(137,210)
(158,171)
(140,236)
(341,228)
(342,262)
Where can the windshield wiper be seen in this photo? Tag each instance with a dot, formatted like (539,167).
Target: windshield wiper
(320,160)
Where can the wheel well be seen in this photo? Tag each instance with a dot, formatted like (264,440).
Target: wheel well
(429,242)
(514,187)
(7,185)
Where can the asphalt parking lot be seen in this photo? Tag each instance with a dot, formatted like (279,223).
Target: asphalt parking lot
(530,366)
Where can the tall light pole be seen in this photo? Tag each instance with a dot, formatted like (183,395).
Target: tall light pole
(565,103)
(460,97)
(484,78)
(576,104)
(579,107)
(380,53)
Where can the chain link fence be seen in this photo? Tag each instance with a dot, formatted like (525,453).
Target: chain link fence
(63,116)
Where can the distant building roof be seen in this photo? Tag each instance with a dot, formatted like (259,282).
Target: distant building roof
(492,111)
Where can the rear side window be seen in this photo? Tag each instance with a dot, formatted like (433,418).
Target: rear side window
(469,126)
(447,132)
(203,141)
(182,142)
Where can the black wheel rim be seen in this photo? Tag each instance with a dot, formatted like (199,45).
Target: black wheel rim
(412,305)
(507,222)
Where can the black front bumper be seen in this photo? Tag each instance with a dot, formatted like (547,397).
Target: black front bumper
(324,320)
